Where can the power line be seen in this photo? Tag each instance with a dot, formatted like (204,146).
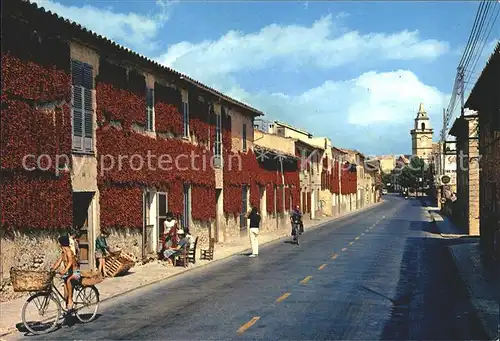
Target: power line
(493,20)
(472,52)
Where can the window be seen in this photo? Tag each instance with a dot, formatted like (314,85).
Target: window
(423,126)
(185,112)
(218,140)
(81,106)
(187,208)
(244,207)
(244,137)
(150,105)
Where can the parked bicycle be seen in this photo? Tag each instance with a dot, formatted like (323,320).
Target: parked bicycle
(49,303)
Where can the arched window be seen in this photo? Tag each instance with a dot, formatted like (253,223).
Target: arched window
(423,126)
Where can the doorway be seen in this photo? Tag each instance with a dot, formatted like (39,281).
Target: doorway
(218,214)
(162,214)
(83,223)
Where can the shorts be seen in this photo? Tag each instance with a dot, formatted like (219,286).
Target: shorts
(75,273)
(98,255)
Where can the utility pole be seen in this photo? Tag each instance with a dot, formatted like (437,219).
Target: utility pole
(462,89)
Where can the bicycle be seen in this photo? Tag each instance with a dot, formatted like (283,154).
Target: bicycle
(296,231)
(52,294)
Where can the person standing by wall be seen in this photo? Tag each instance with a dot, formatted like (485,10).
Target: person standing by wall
(255,218)
(102,250)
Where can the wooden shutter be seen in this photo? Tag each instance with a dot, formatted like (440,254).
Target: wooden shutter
(149,108)
(82,110)
(77,117)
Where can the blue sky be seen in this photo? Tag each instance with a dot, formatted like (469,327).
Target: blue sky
(352,71)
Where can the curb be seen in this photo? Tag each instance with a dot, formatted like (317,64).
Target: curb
(484,327)
(340,217)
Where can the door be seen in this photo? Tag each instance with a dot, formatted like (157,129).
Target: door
(81,218)
(162,209)
(187,208)
(218,198)
(244,207)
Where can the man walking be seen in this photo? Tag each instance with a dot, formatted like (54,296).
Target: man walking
(254,217)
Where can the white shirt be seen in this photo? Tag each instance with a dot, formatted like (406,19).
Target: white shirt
(167,225)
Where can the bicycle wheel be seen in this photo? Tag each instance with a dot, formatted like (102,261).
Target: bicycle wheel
(86,303)
(49,314)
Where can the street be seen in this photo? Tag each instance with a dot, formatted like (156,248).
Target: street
(378,274)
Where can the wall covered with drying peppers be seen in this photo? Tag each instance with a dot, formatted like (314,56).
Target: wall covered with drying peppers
(35,120)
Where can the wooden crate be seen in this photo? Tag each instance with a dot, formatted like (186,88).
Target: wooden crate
(119,263)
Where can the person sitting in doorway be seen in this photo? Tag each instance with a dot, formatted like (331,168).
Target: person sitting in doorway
(184,242)
(71,273)
(102,250)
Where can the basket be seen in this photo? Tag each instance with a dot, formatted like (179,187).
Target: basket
(91,277)
(25,280)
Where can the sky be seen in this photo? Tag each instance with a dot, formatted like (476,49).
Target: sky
(353,71)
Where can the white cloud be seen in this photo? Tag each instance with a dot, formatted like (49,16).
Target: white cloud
(370,100)
(321,45)
(373,112)
(133,30)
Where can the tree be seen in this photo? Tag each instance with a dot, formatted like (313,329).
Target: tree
(386,178)
(411,173)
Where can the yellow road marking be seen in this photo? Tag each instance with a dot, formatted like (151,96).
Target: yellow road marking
(344,249)
(322,267)
(248,324)
(356,238)
(283,297)
(305,280)
(335,256)
(350,244)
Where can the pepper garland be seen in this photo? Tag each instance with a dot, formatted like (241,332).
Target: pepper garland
(205,197)
(121,206)
(36,199)
(349,179)
(175,162)
(270,198)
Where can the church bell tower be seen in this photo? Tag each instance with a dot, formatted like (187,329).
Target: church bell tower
(421,135)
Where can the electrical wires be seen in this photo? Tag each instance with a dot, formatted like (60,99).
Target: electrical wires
(484,23)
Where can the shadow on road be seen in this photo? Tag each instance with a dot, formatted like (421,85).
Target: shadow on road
(431,302)
(67,321)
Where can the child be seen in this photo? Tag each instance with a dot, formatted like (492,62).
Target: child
(71,270)
(101,250)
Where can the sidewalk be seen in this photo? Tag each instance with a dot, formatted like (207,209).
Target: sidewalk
(479,276)
(140,276)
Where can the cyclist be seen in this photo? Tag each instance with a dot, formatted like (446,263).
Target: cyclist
(71,272)
(296,216)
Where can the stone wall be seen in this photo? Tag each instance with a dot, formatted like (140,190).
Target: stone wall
(230,226)
(201,230)
(128,240)
(28,250)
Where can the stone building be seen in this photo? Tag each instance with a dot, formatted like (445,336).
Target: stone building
(421,135)
(271,148)
(466,207)
(97,136)
(485,100)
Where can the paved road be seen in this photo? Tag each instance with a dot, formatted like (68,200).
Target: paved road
(379,274)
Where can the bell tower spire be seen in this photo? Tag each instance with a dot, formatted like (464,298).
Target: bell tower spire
(422,134)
